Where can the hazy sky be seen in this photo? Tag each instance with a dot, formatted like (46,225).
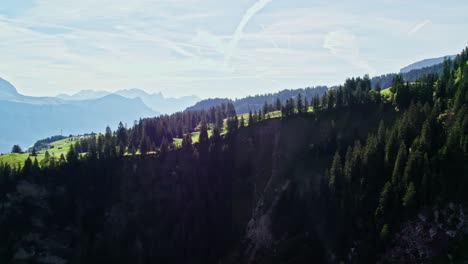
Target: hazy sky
(218,47)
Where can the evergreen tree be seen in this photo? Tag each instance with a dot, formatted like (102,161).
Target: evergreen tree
(28,167)
(122,135)
(402,93)
(265,108)
(316,103)
(300,105)
(36,165)
(72,155)
(164,148)
(16,149)
(306,105)
(145,145)
(219,120)
(203,136)
(278,105)
(385,200)
(336,174)
(108,134)
(409,199)
(187,142)
(377,94)
(339,97)
(331,99)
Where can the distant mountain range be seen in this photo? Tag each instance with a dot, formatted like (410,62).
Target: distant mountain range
(426,63)
(156,101)
(24,119)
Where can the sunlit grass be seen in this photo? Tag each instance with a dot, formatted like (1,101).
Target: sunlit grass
(56,149)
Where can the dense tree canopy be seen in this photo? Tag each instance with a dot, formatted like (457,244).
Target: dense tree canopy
(341,181)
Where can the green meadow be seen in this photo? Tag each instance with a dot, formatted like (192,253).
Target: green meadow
(56,149)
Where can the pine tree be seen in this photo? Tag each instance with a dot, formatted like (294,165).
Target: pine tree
(378,94)
(316,103)
(16,149)
(331,99)
(402,93)
(187,142)
(397,174)
(265,108)
(108,133)
(219,120)
(414,167)
(300,105)
(385,201)
(72,155)
(339,97)
(145,145)
(164,148)
(400,163)
(336,174)
(384,233)
(122,135)
(28,167)
(36,165)
(278,104)
(203,136)
(349,164)
(306,105)
(231,110)
(409,199)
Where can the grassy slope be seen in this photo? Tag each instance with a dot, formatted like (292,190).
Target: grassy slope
(57,148)
(62,146)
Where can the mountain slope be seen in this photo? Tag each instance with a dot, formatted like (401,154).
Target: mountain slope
(156,101)
(360,179)
(7,90)
(24,119)
(159,103)
(84,95)
(426,63)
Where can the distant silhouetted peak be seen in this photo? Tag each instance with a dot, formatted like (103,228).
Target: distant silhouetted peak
(7,89)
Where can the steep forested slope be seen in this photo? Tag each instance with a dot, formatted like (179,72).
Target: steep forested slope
(360,179)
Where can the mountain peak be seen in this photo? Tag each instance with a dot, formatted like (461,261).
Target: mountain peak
(7,89)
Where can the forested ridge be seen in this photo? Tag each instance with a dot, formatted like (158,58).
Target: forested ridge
(256,102)
(352,176)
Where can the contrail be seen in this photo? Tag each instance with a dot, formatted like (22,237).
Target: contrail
(272,41)
(257,7)
(418,27)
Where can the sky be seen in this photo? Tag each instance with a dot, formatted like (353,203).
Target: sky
(218,48)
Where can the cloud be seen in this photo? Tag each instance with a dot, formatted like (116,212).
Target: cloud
(257,7)
(181,47)
(344,45)
(418,27)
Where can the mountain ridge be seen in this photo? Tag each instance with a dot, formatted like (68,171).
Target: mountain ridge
(26,118)
(426,63)
(156,101)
